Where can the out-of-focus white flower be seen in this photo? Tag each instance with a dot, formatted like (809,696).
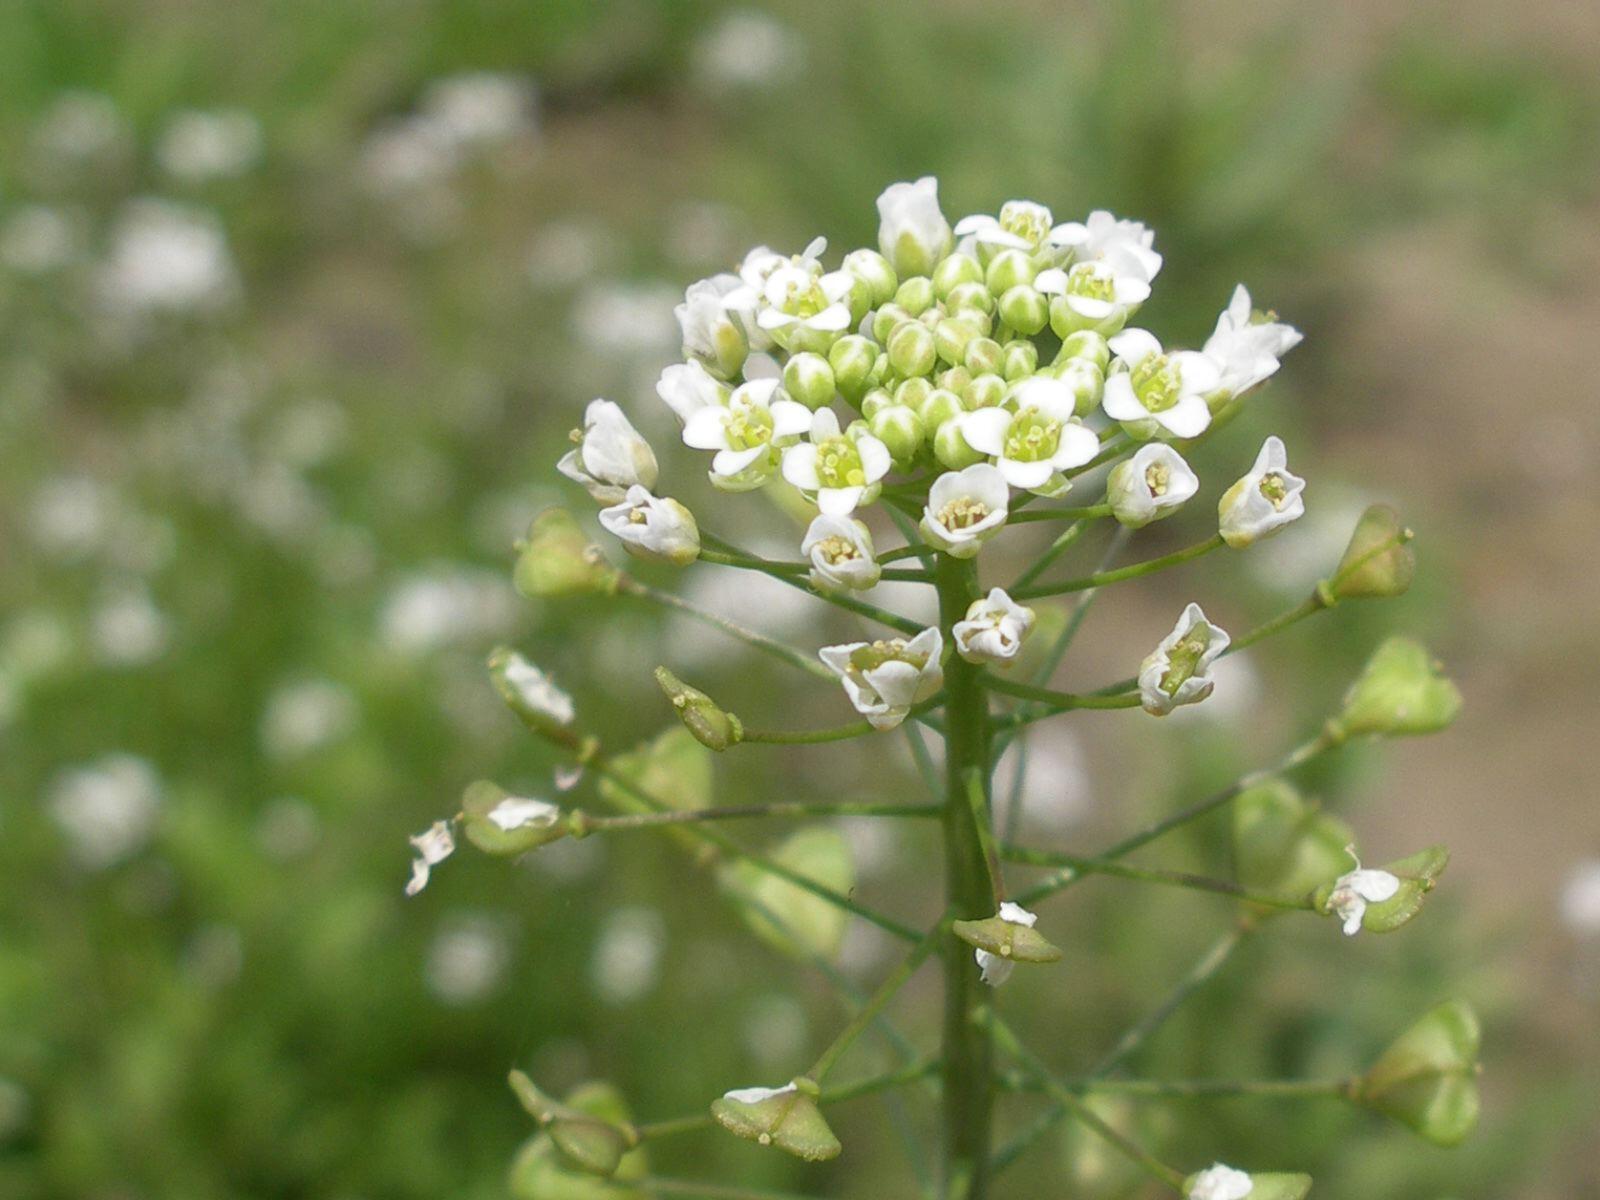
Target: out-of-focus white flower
(1149,390)
(747,433)
(610,457)
(128,629)
(996,969)
(1154,483)
(537,690)
(565,253)
(994,629)
(688,387)
(1022,225)
(467,960)
(200,146)
(433,845)
(1220,1182)
(965,509)
(1035,444)
(1104,236)
(885,679)
(654,528)
(1246,348)
(407,156)
(1178,671)
(480,109)
(81,127)
(1264,501)
(305,716)
(631,320)
(627,955)
(839,470)
(107,809)
(1580,899)
(70,515)
(1356,889)
(36,240)
(446,607)
(912,231)
(841,554)
(167,258)
(747,48)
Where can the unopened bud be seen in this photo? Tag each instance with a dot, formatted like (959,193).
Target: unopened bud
(900,429)
(952,336)
(1021,360)
(985,391)
(1008,269)
(915,295)
(1024,309)
(852,358)
(1086,343)
(911,350)
(951,448)
(954,271)
(556,558)
(874,271)
(939,407)
(808,378)
(711,726)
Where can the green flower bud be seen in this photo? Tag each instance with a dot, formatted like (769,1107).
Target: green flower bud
(557,559)
(876,401)
(952,336)
(940,407)
(954,271)
(985,391)
(972,296)
(588,1142)
(1378,561)
(899,428)
(711,726)
(1417,876)
(540,1171)
(786,1117)
(1086,381)
(1086,343)
(1400,692)
(887,319)
(874,271)
(1008,269)
(951,449)
(785,916)
(954,380)
(913,393)
(1024,309)
(1428,1077)
(915,295)
(1021,360)
(809,379)
(984,356)
(1007,939)
(852,358)
(1283,845)
(499,823)
(911,350)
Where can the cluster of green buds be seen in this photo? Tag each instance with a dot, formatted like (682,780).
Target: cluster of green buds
(954,382)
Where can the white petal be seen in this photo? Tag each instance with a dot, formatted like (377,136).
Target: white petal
(800,467)
(985,429)
(1187,418)
(875,460)
(837,502)
(1121,402)
(707,429)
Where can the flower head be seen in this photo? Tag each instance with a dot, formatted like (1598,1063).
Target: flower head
(1356,889)
(610,456)
(884,679)
(841,554)
(1035,442)
(654,528)
(1150,390)
(965,509)
(840,469)
(1178,671)
(433,845)
(994,629)
(912,231)
(1220,1182)
(1154,483)
(747,433)
(1264,501)
(1247,345)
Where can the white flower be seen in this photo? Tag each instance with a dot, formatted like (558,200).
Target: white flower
(1023,225)
(1034,444)
(166,258)
(108,809)
(1264,501)
(1580,899)
(654,528)
(993,630)
(1356,889)
(520,812)
(884,679)
(748,49)
(688,387)
(841,554)
(537,690)
(996,970)
(1101,293)
(1220,1182)
(433,846)
(1149,388)
(912,231)
(841,470)
(1245,350)
(746,432)
(610,457)
(1152,484)
(712,330)
(1178,671)
(1103,236)
(965,509)
(199,146)
(800,306)
(480,109)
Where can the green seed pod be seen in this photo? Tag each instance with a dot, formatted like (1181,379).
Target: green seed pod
(501,824)
(911,350)
(1024,309)
(954,271)
(1007,939)
(712,727)
(1428,1077)
(587,1142)
(808,378)
(1401,692)
(787,1118)
(1284,846)
(556,558)
(1379,561)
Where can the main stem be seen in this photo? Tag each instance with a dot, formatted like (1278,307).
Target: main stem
(968,1052)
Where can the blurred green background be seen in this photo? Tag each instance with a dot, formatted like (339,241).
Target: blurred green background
(299,300)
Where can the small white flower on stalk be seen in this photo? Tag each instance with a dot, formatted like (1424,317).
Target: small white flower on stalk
(433,846)
(713,332)
(610,457)
(1103,236)
(965,509)
(884,679)
(803,307)
(746,433)
(1099,294)
(687,387)
(654,528)
(841,554)
(1023,225)
(1262,502)
(1245,349)
(1150,390)
(537,690)
(1356,889)
(996,970)
(840,470)
(1040,439)
(520,812)
(994,629)
(912,231)
(1178,671)
(1154,483)
(1220,1182)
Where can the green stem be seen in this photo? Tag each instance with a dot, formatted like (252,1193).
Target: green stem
(658,1185)
(1183,879)
(1065,540)
(783,568)
(872,1007)
(1091,513)
(795,658)
(1131,571)
(834,733)
(1059,701)
(967,1047)
(849,603)
(777,810)
(1287,1089)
